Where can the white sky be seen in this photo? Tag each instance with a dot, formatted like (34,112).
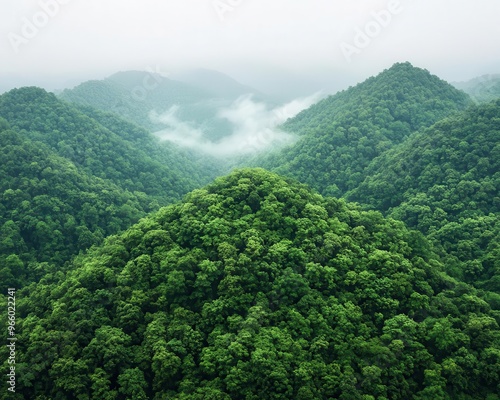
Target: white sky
(270,44)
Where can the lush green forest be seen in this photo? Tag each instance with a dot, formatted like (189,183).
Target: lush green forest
(122,156)
(50,210)
(445,181)
(364,266)
(343,133)
(256,288)
(72,177)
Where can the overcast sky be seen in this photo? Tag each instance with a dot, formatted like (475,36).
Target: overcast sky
(270,44)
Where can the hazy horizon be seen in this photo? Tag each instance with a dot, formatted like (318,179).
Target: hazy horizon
(288,47)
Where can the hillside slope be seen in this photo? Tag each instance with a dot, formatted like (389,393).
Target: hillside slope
(134,94)
(445,181)
(50,210)
(142,97)
(71,177)
(122,156)
(256,288)
(343,133)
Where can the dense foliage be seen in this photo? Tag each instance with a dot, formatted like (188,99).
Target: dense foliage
(445,181)
(117,156)
(256,288)
(71,177)
(50,210)
(343,133)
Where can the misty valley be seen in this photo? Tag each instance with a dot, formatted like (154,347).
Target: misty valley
(190,237)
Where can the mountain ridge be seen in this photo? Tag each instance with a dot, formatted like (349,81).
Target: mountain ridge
(341,134)
(444,181)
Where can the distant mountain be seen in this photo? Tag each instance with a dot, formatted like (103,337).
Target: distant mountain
(142,97)
(218,84)
(445,181)
(135,94)
(343,133)
(482,89)
(256,288)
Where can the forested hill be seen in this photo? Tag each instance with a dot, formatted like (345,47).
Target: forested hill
(141,97)
(343,133)
(445,181)
(134,94)
(203,167)
(71,177)
(121,154)
(256,288)
(50,210)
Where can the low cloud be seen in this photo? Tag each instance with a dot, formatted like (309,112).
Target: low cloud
(255,127)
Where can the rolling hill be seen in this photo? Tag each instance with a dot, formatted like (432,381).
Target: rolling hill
(50,210)
(129,157)
(340,135)
(143,97)
(218,84)
(134,95)
(445,181)
(256,288)
(71,177)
